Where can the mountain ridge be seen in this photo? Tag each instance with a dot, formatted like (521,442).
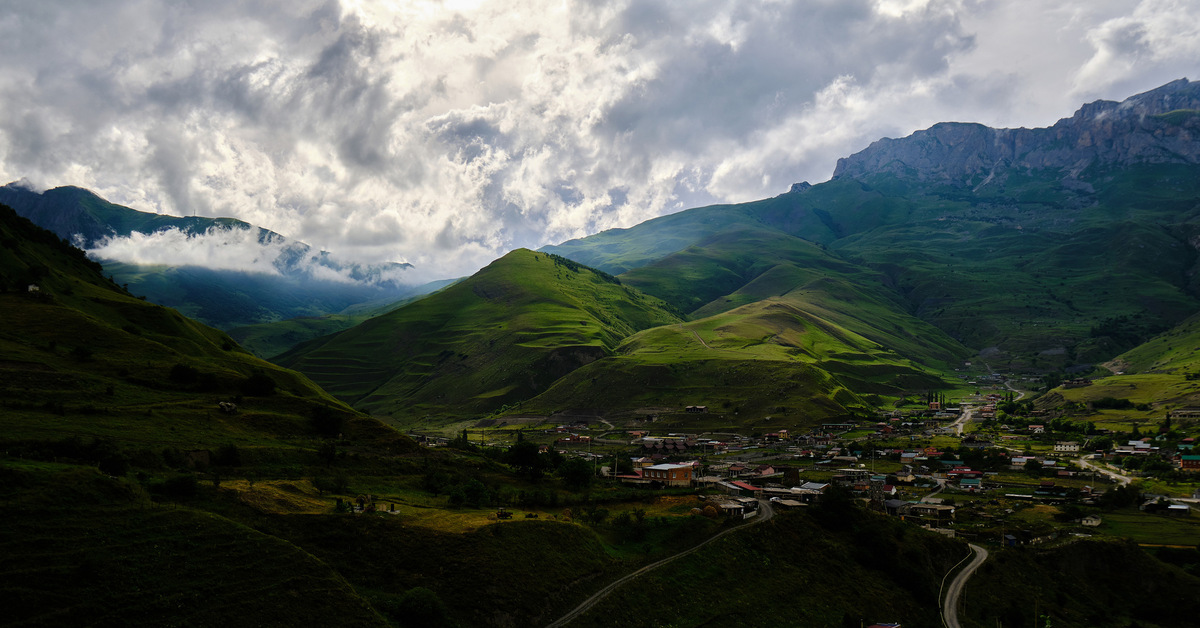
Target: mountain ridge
(287,279)
(1100,133)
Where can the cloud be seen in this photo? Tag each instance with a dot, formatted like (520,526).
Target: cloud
(447,133)
(243,250)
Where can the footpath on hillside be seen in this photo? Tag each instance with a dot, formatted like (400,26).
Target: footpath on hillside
(766,513)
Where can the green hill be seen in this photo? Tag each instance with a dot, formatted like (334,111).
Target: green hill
(1028,266)
(82,357)
(499,337)
(267,340)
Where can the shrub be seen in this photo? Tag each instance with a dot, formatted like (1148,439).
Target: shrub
(184,374)
(258,385)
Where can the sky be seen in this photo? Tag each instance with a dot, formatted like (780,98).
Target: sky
(445,134)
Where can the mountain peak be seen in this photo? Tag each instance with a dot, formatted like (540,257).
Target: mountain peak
(1158,126)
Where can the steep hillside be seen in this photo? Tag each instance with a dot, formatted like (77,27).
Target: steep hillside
(1087,583)
(82,548)
(499,337)
(82,357)
(1017,243)
(267,340)
(291,280)
(774,363)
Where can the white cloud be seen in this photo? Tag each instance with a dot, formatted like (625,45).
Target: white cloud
(218,249)
(446,133)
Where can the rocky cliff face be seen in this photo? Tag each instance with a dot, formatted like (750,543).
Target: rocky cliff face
(1159,126)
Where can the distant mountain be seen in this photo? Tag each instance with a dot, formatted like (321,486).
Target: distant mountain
(290,280)
(1161,126)
(1045,248)
(81,356)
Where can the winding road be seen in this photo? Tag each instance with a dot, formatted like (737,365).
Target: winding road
(765,514)
(950,605)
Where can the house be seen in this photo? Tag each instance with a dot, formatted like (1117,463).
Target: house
(1069,447)
(928,511)
(669,474)
(33,287)
(1091,521)
(696,409)
(738,488)
(632,478)
(1037,429)
(809,491)
(1189,463)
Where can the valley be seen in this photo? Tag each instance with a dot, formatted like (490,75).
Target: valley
(803,410)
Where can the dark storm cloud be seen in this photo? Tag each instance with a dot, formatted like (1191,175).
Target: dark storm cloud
(445,135)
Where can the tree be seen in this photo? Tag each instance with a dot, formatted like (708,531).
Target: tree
(228,456)
(326,422)
(476,493)
(327,452)
(420,607)
(576,473)
(258,385)
(1033,468)
(524,457)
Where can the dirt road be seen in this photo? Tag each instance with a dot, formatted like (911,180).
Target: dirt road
(765,514)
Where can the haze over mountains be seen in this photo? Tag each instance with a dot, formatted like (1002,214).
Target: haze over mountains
(1036,251)
(1046,249)
(219,270)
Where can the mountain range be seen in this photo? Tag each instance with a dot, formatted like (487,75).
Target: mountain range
(276,279)
(1044,250)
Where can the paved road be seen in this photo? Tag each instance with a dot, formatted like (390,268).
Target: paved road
(941,485)
(950,606)
(963,418)
(1121,479)
(765,514)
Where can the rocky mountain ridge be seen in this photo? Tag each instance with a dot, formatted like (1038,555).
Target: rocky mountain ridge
(1158,126)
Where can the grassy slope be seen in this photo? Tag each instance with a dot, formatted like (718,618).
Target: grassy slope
(82,549)
(499,337)
(1025,262)
(267,340)
(801,569)
(83,357)
(1155,372)
(731,270)
(1088,583)
(781,328)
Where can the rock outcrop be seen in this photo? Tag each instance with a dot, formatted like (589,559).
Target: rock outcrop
(1159,126)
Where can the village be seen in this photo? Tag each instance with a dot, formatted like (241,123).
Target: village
(988,469)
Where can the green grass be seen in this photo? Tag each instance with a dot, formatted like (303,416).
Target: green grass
(793,567)
(83,549)
(1154,529)
(1027,264)
(1100,583)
